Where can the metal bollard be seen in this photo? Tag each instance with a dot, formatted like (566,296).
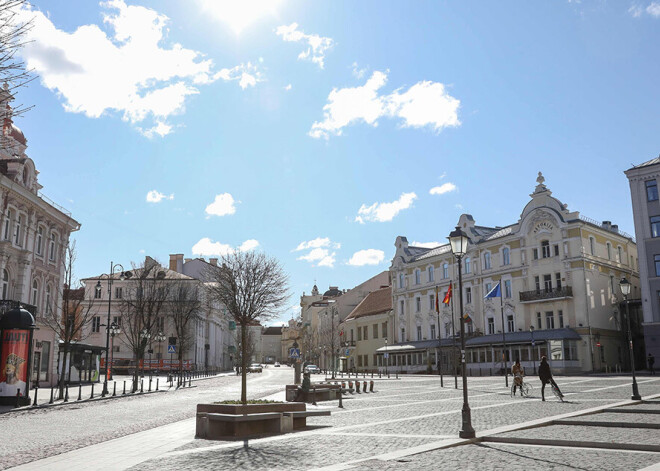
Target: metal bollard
(314,396)
(341,393)
(357,386)
(190,382)
(364,386)
(114,388)
(66,393)
(371,386)
(80,391)
(397,375)
(157,384)
(36,391)
(51,396)
(149,384)
(18,398)
(124,388)
(92,396)
(141,385)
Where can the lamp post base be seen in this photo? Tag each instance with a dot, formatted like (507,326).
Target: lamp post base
(635,393)
(466,430)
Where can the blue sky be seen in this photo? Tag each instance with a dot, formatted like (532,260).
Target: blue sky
(319,131)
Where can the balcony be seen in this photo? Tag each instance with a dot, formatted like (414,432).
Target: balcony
(7,304)
(541,295)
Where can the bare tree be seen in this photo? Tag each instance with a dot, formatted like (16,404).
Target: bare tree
(253,287)
(142,306)
(70,319)
(183,307)
(250,346)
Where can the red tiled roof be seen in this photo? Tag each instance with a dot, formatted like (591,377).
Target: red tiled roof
(376,302)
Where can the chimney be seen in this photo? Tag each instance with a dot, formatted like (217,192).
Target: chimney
(615,227)
(607,225)
(213,261)
(176,262)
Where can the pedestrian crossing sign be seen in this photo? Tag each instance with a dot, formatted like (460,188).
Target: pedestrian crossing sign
(171,349)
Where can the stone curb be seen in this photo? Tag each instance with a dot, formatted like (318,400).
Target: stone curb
(590,423)
(572,443)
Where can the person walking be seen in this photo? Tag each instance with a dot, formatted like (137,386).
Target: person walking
(651,361)
(518,373)
(545,375)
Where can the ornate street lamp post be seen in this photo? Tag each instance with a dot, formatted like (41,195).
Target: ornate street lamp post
(531,330)
(145,335)
(160,338)
(333,312)
(459,241)
(114,330)
(624,284)
(114,268)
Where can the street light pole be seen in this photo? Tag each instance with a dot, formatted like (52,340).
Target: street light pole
(113,270)
(624,284)
(531,330)
(114,330)
(459,240)
(386,357)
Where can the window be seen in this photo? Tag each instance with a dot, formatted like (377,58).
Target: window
(418,304)
(447,329)
(35,290)
(403,334)
(537,283)
(612,291)
(506,256)
(487,261)
(556,246)
(359,331)
(51,247)
(545,249)
(7,224)
(5,284)
(418,277)
(547,283)
(375,331)
(431,302)
(17,230)
(609,251)
(539,324)
(365,332)
(430,273)
(491,325)
(467,265)
(47,304)
(119,292)
(558,280)
(401,306)
(619,254)
(432,331)
(96,324)
(549,320)
(419,332)
(510,325)
(401,281)
(592,246)
(560,315)
(488,287)
(359,360)
(115,349)
(97,292)
(352,339)
(535,254)
(468,295)
(117,321)
(652,190)
(40,240)
(384,329)
(445,270)
(657,265)
(507,288)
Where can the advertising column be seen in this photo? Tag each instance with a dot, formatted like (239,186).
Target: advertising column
(16,329)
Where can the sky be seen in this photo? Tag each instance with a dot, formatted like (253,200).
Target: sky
(318,132)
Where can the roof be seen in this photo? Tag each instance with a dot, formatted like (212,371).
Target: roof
(273,330)
(376,302)
(333,292)
(648,163)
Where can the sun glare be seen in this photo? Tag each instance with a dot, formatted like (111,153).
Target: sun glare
(239,14)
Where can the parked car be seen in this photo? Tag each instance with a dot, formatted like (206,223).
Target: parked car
(277,364)
(255,368)
(312,369)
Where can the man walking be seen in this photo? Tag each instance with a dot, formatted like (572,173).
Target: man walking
(651,362)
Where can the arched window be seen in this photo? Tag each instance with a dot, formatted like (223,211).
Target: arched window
(35,290)
(609,251)
(592,245)
(7,224)
(506,256)
(545,249)
(5,284)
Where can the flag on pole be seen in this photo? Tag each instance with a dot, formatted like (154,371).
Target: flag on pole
(437,301)
(447,296)
(496,292)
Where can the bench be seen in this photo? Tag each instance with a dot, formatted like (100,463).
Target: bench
(300,417)
(238,425)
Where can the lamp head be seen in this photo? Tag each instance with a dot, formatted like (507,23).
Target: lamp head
(624,284)
(458,241)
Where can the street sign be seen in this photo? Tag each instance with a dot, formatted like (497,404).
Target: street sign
(533,343)
(294,353)
(171,349)
(386,355)
(598,344)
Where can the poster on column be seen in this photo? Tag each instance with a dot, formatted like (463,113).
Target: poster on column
(14,362)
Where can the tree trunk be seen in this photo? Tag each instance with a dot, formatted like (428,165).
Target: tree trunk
(244,351)
(62,376)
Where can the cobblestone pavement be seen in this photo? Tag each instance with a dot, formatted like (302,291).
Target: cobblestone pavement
(401,426)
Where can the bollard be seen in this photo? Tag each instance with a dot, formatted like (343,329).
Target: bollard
(36,391)
(92,396)
(66,393)
(141,386)
(149,384)
(397,375)
(80,391)
(357,386)
(388,376)
(380,374)
(314,396)
(341,392)
(124,388)
(18,398)
(372,374)
(51,396)
(364,386)
(371,386)
(114,388)
(157,384)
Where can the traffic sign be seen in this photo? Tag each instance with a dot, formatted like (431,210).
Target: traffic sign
(171,349)
(386,355)
(294,353)
(533,343)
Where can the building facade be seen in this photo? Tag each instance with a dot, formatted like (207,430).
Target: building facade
(643,181)
(34,234)
(559,275)
(271,340)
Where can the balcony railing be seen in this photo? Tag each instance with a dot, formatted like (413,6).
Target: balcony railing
(546,294)
(8,304)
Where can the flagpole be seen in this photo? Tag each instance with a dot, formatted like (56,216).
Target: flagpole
(437,311)
(506,374)
(453,336)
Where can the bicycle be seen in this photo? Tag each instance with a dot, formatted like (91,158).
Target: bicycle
(556,392)
(525,388)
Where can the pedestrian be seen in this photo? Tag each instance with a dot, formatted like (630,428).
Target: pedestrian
(545,375)
(518,373)
(651,362)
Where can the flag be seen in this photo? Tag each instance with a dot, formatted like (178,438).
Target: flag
(447,296)
(496,292)
(437,301)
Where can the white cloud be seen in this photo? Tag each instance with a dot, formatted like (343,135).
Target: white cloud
(636,11)
(238,14)
(653,9)
(223,205)
(383,212)
(425,104)
(288,87)
(357,72)
(427,245)
(442,189)
(458,206)
(127,69)
(155,196)
(316,243)
(207,247)
(319,257)
(367,257)
(317,45)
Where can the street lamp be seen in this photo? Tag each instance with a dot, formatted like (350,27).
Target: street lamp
(531,330)
(624,284)
(113,270)
(459,241)
(145,335)
(386,356)
(333,312)
(160,338)
(114,330)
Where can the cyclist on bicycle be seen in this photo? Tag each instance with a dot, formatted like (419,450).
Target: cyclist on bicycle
(545,375)
(518,373)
